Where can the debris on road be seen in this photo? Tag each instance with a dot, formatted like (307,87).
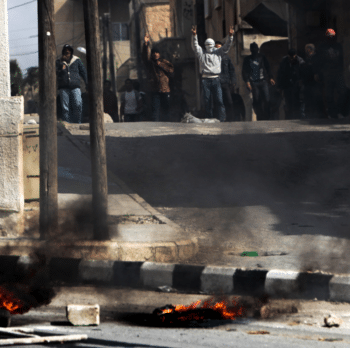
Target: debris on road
(166,288)
(189,118)
(269,310)
(332,320)
(259,332)
(30,336)
(330,339)
(83,315)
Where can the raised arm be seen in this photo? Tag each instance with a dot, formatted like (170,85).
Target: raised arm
(196,48)
(146,52)
(226,47)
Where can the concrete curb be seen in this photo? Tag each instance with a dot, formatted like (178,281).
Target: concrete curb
(190,278)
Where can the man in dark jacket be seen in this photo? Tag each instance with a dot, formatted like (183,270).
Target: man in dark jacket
(228,82)
(289,80)
(330,65)
(256,74)
(313,89)
(159,70)
(69,70)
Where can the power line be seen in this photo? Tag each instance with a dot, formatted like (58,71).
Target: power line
(12,31)
(22,38)
(24,54)
(33,44)
(26,3)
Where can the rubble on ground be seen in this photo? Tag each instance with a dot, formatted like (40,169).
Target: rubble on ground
(189,118)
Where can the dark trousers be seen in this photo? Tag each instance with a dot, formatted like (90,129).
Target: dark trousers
(228,102)
(313,100)
(294,102)
(261,100)
(160,101)
(334,81)
(212,89)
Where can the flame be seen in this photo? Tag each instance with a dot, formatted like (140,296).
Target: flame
(9,302)
(227,312)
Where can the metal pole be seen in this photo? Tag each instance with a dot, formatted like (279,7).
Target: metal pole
(97,130)
(48,119)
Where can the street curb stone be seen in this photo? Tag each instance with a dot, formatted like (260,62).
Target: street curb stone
(339,288)
(190,278)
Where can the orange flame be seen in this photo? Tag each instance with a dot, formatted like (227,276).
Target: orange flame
(9,302)
(226,312)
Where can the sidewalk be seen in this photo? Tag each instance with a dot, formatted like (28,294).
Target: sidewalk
(138,232)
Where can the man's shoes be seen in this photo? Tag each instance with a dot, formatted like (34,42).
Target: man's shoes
(340,116)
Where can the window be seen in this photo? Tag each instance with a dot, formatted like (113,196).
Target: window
(207,13)
(120,31)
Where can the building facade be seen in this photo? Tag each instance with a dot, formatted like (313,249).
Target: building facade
(69,26)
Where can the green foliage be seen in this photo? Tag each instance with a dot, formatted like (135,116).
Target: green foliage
(32,77)
(16,78)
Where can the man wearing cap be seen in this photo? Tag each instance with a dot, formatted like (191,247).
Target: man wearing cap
(289,80)
(210,68)
(69,70)
(257,75)
(159,71)
(330,65)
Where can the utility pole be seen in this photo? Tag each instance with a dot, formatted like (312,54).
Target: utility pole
(137,40)
(48,120)
(111,51)
(97,131)
(104,36)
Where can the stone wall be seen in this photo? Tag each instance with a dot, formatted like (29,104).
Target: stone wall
(155,21)
(11,166)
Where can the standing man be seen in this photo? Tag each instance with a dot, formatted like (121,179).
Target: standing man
(69,70)
(330,65)
(228,80)
(159,70)
(313,89)
(210,67)
(289,80)
(131,103)
(256,74)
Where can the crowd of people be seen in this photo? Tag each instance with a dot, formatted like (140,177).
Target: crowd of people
(307,85)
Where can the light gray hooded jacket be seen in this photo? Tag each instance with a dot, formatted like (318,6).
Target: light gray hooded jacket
(210,62)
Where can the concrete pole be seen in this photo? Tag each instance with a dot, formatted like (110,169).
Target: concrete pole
(5,81)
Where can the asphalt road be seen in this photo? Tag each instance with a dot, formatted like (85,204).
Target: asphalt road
(279,188)
(125,313)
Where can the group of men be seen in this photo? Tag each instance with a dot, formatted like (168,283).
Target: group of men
(301,82)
